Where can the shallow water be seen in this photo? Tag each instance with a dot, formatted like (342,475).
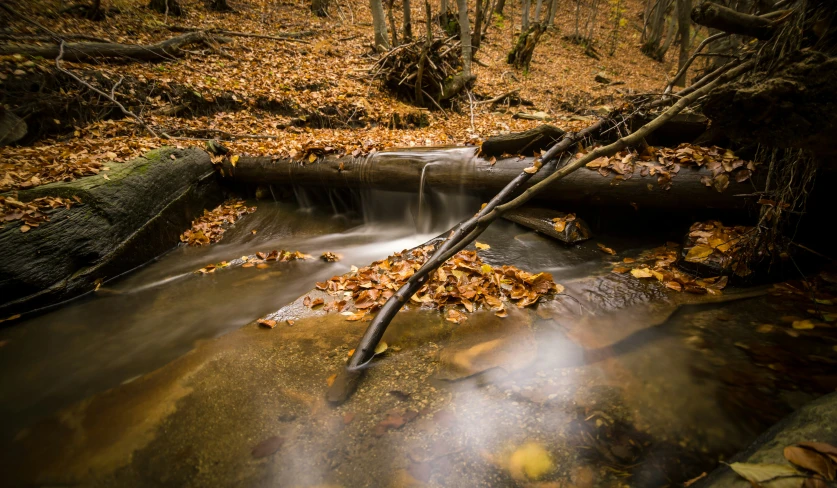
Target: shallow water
(623,382)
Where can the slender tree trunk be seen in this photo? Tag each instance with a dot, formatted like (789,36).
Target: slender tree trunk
(171,7)
(553,8)
(475,41)
(408,23)
(577,18)
(498,9)
(489,8)
(524,16)
(379,25)
(221,6)
(684,8)
(392,27)
(465,36)
(538,6)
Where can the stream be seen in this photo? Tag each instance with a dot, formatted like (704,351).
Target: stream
(619,379)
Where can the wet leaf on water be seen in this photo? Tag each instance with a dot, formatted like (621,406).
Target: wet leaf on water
(268,446)
(262,266)
(11,317)
(330,257)
(481,246)
(316,302)
(356,316)
(348,416)
(330,380)
(530,462)
(289,322)
(455,316)
(606,249)
(765,328)
(803,325)
(267,323)
(620,270)
(757,474)
(674,285)
(307,301)
(247,265)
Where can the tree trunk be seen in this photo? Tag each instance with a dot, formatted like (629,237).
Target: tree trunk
(221,6)
(553,8)
(684,8)
(318,7)
(443,15)
(391,16)
(122,222)
(379,25)
(538,6)
(498,9)
(524,16)
(85,51)
(168,7)
(475,38)
(408,23)
(521,55)
(459,167)
(465,36)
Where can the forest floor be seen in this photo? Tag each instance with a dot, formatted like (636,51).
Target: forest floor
(309,95)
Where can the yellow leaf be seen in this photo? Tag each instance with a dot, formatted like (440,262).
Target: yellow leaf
(24,228)
(698,254)
(234,159)
(803,324)
(757,474)
(641,273)
(381,347)
(560,225)
(531,170)
(482,247)
(530,461)
(312,158)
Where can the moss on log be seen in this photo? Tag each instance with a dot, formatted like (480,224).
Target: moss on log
(122,222)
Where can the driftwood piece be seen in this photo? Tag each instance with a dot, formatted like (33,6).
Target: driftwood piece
(134,215)
(527,142)
(458,168)
(541,220)
(85,51)
(728,20)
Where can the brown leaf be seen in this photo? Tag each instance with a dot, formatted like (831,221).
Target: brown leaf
(811,460)
(268,446)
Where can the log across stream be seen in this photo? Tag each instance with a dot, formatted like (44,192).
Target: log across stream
(460,169)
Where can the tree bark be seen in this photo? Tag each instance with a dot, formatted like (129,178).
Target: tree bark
(524,16)
(320,7)
(684,7)
(168,7)
(728,20)
(553,8)
(379,25)
(475,38)
(121,223)
(222,6)
(538,6)
(460,167)
(85,51)
(498,9)
(408,23)
(465,36)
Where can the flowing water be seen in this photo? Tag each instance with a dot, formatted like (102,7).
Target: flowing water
(621,381)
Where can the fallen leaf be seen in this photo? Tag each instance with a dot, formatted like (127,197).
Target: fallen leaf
(606,249)
(531,170)
(380,348)
(530,461)
(24,228)
(620,270)
(268,446)
(234,159)
(803,325)
(698,254)
(482,247)
(810,460)
(641,273)
(759,473)
(267,323)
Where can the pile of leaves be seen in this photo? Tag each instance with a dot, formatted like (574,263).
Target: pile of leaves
(33,212)
(210,227)
(814,466)
(399,69)
(718,247)
(658,264)
(665,163)
(462,282)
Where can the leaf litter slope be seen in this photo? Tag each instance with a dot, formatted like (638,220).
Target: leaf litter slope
(307,97)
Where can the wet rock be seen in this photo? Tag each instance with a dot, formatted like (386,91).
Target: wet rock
(543,220)
(815,422)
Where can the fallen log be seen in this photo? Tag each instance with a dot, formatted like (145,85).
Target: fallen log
(85,51)
(460,169)
(728,20)
(120,219)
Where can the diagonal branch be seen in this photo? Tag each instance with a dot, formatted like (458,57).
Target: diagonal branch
(462,235)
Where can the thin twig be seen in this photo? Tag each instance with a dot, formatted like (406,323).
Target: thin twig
(100,92)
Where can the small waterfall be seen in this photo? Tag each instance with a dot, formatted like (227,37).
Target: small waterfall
(422,223)
(303,199)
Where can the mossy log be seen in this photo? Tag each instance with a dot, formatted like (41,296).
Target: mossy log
(122,222)
(460,169)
